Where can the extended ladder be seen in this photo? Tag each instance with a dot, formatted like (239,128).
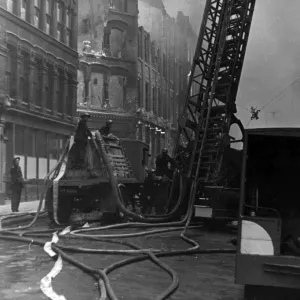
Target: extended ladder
(213,86)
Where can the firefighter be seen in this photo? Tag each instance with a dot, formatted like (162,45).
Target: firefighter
(81,138)
(162,163)
(105,130)
(16,184)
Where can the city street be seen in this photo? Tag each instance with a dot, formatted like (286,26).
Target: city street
(207,277)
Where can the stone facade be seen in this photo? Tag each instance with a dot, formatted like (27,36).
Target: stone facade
(38,86)
(134,64)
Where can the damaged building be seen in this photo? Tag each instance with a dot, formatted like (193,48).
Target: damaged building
(134,65)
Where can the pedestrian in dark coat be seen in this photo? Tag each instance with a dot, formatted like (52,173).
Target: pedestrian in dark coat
(16,184)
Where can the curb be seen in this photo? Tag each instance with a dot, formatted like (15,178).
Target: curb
(17,220)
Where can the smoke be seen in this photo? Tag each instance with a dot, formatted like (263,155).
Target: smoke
(272,60)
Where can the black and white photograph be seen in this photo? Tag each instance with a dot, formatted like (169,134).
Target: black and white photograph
(149,149)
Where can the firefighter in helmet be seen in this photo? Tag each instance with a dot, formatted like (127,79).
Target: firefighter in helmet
(81,138)
(105,130)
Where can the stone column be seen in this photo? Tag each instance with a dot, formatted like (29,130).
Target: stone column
(74,100)
(44,83)
(3,140)
(42,20)
(87,79)
(4,52)
(19,74)
(31,11)
(55,88)
(32,80)
(65,93)
(17,8)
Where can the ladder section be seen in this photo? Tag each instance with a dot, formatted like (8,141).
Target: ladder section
(200,80)
(213,85)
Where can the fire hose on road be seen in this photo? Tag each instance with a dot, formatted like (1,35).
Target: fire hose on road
(18,234)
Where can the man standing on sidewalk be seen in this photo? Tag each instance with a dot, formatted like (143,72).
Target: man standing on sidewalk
(16,183)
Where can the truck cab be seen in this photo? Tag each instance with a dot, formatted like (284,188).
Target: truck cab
(268,255)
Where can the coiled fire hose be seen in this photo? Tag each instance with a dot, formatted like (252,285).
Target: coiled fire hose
(11,234)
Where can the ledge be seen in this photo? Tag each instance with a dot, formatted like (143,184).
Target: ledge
(30,28)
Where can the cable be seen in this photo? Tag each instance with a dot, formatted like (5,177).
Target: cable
(281,93)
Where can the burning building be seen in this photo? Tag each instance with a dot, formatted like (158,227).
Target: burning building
(134,64)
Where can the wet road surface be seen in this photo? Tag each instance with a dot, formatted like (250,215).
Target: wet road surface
(203,277)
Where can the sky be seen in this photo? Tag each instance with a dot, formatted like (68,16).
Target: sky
(272,63)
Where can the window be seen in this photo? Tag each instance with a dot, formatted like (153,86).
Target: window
(139,45)
(52,150)
(154,100)
(159,104)
(9,4)
(60,100)
(164,65)
(68,28)
(85,27)
(59,20)
(48,16)
(19,140)
(139,93)
(147,102)
(30,150)
(41,148)
(50,91)
(146,45)
(23,9)
(37,11)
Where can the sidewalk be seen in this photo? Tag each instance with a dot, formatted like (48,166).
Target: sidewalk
(24,207)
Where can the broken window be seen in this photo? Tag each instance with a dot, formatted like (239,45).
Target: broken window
(85,26)
(117,43)
(116,91)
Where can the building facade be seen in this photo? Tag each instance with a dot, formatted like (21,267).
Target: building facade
(38,87)
(134,66)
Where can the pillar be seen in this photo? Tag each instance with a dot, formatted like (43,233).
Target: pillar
(4,52)
(44,83)
(87,79)
(32,80)
(54,93)
(74,100)
(30,11)
(42,20)
(17,8)
(3,163)
(19,74)
(106,80)
(65,93)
